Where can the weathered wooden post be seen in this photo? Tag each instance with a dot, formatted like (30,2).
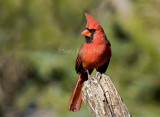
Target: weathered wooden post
(102,99)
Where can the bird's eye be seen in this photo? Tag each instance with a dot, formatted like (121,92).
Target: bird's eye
(92,30)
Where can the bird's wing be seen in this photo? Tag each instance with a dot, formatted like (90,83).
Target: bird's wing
(104,67)
(78,66)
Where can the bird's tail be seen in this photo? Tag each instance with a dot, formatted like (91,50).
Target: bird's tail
(76,98)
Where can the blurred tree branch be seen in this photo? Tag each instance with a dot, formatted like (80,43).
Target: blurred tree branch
(12,77)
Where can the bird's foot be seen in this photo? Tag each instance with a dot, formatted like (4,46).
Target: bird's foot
(98,75)
(89,77)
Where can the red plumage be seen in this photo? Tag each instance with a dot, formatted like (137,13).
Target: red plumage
(94,53)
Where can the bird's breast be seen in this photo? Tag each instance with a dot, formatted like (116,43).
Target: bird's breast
(94,55)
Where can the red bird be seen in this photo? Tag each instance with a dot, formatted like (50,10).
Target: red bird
(94,53)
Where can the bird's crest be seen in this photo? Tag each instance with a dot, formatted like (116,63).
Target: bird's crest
(92,23)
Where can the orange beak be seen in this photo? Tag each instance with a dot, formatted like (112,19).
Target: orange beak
(86,33)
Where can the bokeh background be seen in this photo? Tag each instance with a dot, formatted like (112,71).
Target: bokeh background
(39,42)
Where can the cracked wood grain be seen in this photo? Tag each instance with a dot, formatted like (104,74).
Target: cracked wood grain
(102,99)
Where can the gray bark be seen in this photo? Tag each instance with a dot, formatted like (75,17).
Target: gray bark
(102,99)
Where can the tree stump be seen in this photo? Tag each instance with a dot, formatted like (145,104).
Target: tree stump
(102,99)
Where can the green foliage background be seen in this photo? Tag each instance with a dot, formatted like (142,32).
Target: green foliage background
(39,42)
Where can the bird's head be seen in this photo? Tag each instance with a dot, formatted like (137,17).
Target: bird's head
(93,29)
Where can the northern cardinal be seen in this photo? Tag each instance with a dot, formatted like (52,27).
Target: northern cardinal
(94,53)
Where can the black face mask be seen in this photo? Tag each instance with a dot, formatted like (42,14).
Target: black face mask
(89,39)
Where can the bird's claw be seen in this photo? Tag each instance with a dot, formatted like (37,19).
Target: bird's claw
(89,77)
(98,75)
